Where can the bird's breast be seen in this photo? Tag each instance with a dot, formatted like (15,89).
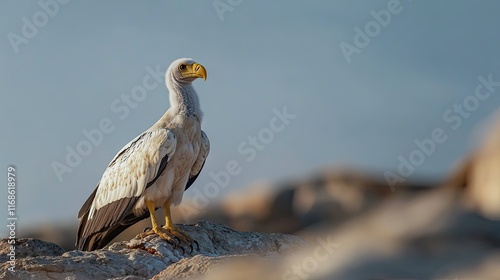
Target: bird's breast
(188,135)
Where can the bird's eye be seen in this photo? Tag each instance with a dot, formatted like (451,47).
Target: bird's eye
(182,67)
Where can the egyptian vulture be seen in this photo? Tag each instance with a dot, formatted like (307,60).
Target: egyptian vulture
(151,171)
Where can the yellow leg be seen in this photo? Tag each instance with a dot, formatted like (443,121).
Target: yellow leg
(151,208)
(168,217)
(172,229)
(156,228)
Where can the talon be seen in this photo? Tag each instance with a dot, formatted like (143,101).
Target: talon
(147,229)
(182,237)
(145,234)
(178,239)
(163,235)
(171,243)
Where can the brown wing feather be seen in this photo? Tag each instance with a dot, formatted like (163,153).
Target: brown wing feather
(109,225)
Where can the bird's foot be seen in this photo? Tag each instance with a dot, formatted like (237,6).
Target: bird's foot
(164,234)
(183,237)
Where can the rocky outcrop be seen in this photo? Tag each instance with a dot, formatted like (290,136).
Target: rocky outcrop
(146,258)
(479,173)
(428,235)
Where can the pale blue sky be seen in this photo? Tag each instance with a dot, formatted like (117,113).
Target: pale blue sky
(262,55)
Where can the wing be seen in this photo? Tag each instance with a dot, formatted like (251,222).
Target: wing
(200,161)
(108,210)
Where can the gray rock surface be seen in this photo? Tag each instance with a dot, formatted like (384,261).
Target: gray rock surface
(29,247)
(145,258)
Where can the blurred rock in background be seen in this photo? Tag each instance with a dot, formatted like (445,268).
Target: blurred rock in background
(333,196)
(479,173)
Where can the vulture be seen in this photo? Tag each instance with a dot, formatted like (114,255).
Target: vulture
(152,171)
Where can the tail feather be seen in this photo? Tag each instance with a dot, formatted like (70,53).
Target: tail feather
(106,222)
(100,239)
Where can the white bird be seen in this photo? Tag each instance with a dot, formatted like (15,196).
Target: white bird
(151,171)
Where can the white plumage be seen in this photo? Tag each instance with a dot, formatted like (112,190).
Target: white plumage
(151,171)
(133,167)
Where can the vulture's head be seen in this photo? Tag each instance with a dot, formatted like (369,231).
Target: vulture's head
(185,71)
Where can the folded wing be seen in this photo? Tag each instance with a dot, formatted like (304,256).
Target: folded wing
(200,161)
(109,209)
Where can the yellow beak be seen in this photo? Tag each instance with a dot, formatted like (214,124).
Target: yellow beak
(195,70)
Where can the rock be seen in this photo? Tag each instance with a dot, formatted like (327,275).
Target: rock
(29,247)
(428,235)
(478,174)
(196,266)
(333,194)
(145,258)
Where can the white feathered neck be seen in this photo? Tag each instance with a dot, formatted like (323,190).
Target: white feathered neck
(183,97)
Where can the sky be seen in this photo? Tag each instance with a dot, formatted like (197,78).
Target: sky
(292,86)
